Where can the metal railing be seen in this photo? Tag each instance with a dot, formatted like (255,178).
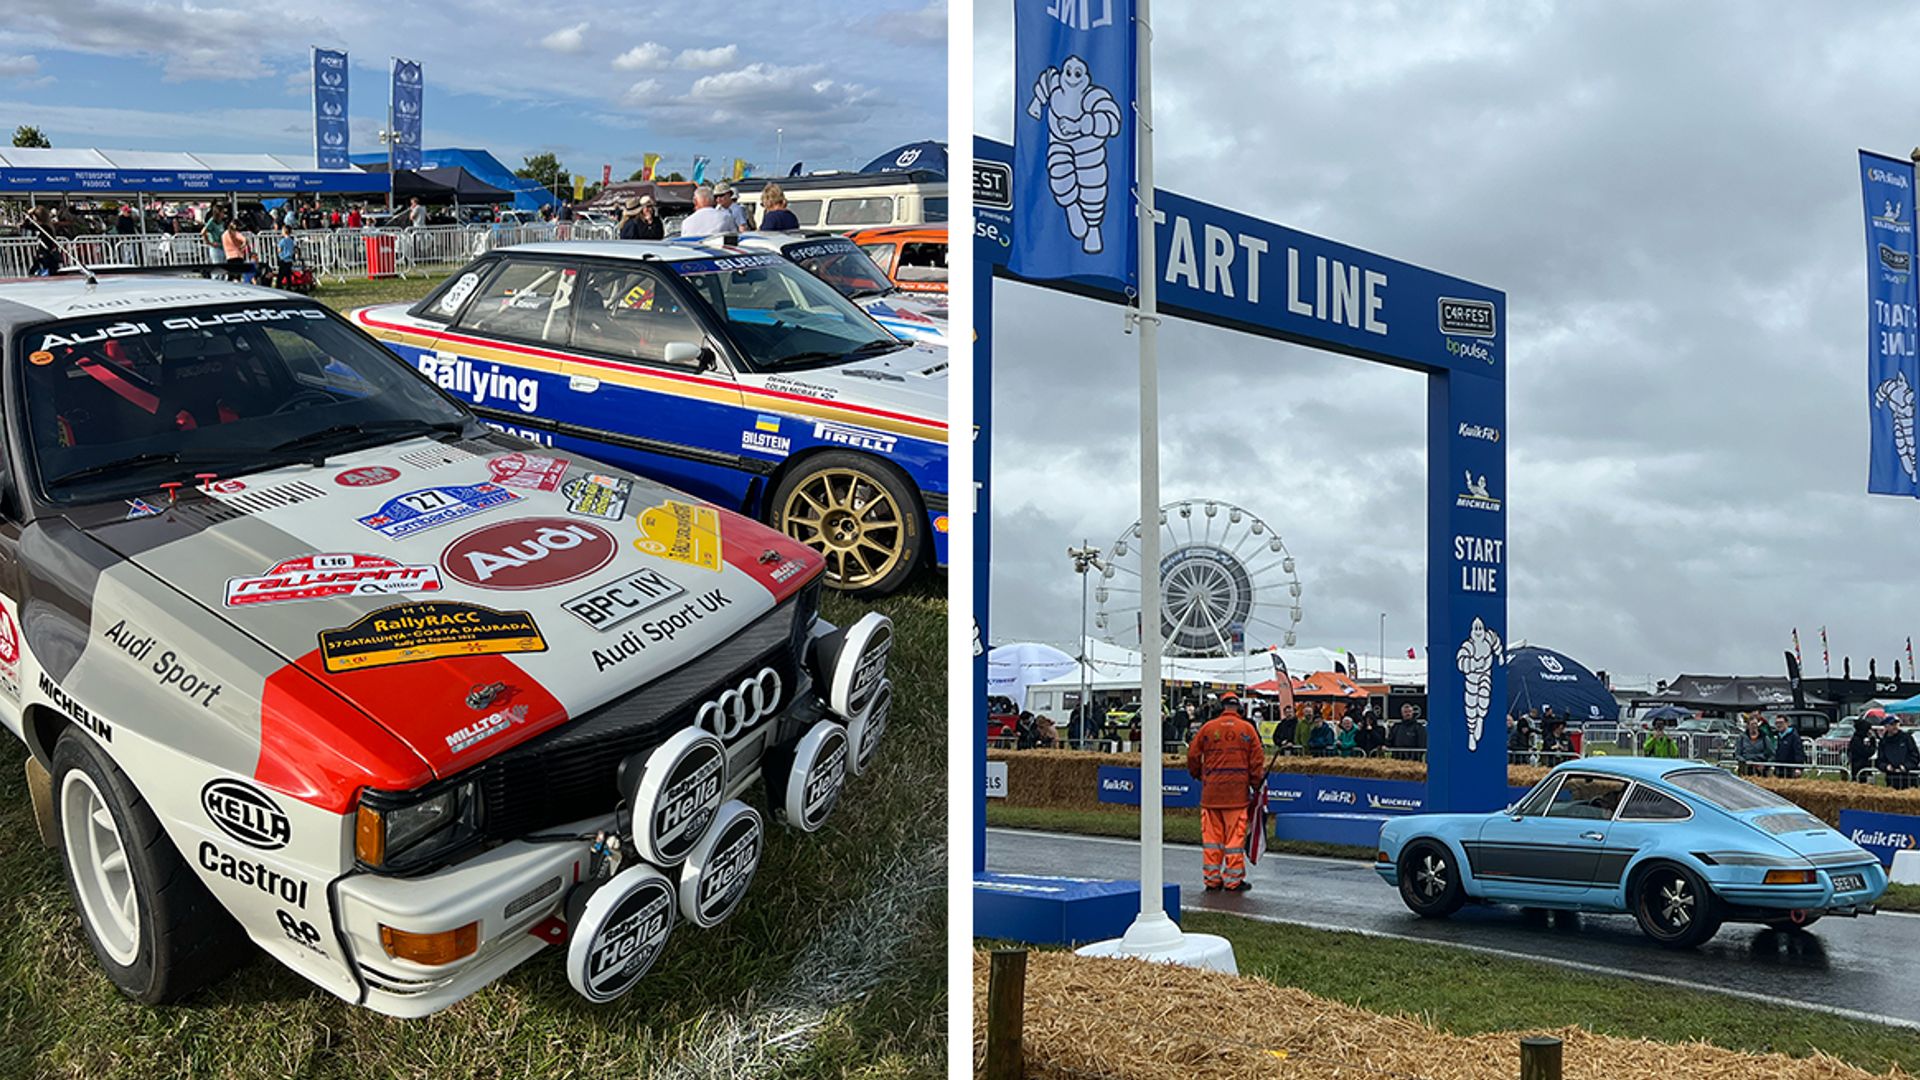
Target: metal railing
(336,253)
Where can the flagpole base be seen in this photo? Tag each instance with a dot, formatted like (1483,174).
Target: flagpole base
(1157,939)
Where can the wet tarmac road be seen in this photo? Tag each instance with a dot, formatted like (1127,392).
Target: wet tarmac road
(1864,968)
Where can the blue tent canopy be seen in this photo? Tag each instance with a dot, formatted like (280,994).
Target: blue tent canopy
(38,170)
(527,194)
(1538,677)
(917,156)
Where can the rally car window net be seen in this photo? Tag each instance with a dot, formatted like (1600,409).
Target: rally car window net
(214,389)
(781,315)
(523,300)
(1725,791)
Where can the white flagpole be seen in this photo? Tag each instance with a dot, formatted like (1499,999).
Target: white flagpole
(1153,929)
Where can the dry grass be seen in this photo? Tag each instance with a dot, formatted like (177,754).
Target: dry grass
(1127,1020)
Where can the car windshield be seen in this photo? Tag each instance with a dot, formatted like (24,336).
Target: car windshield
(114,405)
(842,265)
(1725,790)
(782,316)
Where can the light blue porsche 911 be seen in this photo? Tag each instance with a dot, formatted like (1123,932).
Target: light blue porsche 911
(1681,845)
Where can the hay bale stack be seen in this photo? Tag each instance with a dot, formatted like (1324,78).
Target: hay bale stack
(1127,1020)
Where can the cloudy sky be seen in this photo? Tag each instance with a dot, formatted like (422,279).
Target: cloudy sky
(595,84)
(1669,197)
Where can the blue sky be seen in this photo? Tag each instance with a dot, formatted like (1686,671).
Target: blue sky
(846,79)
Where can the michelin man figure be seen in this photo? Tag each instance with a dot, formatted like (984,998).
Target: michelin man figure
(1080,118)
(1895,396)
(1476,658)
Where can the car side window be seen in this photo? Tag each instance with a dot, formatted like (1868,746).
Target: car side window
(1646,804)
(806,212)
(881,254)
(1536,802)
(1584,796)
(923,262)
(861,210)
(526,300)
(631,314)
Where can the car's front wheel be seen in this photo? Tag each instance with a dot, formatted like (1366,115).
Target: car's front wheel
(1674,907)
(153,926)
(1430,880)
(861,515)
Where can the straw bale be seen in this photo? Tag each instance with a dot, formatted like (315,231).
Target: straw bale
(1126,1020)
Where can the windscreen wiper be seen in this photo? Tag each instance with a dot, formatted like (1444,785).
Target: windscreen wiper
(151,457)
(367,427)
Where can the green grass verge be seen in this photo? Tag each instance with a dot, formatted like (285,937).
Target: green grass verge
(1486,993)
(842,939)
(1901,898)
(350,294)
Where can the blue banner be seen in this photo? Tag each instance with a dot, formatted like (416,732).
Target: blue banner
(1290,793)
(330,135)
(406,99)
(1893,367)
(1882,834)
(1074,129)
(1121,784)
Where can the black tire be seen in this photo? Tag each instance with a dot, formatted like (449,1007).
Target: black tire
(1674,907)
(1430,880)
(872,530)
(183,939)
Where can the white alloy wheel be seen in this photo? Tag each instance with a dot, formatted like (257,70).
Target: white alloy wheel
(97,858)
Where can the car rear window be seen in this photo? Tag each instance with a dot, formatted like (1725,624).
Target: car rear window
(1646,804)
(1725,790)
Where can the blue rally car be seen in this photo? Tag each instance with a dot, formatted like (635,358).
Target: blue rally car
(1681,845)
(733,375)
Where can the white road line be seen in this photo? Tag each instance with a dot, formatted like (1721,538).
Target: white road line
(1576,965)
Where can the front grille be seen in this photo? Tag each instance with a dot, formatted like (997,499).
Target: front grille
(570,773)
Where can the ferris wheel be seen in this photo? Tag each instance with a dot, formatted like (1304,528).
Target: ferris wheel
(1227,583)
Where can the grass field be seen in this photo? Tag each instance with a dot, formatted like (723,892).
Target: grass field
(834,966)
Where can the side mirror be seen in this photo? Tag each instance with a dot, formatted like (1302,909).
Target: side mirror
(683,353)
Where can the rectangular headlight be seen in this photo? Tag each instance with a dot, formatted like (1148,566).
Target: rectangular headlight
(398,831)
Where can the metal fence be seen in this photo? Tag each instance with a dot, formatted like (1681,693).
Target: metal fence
(331,253)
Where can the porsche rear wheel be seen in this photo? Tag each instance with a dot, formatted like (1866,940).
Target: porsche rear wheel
(1430,880)
(155,929)
(1674,907)
(859,514)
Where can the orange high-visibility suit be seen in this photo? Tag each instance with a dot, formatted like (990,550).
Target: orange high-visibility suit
(1225,756)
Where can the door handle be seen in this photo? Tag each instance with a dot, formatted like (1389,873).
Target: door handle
(1592,836)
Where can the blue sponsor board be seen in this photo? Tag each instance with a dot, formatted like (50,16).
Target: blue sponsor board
(1882,834)
(1893,357)
(1287,793)
(330,126)
(1044,910)
(180,181)
(1121,784)
(418,511)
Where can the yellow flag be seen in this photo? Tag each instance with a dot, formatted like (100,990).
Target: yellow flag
(579,187)
(740,168)
(647,162)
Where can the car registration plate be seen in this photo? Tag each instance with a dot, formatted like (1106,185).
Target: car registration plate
(1848,882)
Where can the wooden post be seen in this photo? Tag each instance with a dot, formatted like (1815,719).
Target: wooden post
(1539,1058)
(1006,1001)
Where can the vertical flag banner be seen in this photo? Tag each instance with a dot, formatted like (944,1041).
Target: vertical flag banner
(606,175)
(1282,685)
(406,101)
(579,187)
(647,163)
(1073,141)
(1893,365)
(1826,658)
(330,109)
(741,170)
(1796,646)
(700,169)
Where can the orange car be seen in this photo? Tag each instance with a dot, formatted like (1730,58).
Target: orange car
(914,256)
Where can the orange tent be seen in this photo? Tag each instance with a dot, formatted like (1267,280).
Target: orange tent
(1328,685)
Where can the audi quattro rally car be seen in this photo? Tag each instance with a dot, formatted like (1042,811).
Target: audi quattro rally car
(304,651)
(840,263)
(1681,845)
(735,376)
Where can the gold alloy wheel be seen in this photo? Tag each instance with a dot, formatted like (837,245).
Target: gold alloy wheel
(850,519)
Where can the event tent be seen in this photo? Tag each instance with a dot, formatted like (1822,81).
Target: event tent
(929,156)
(1537,678)
(1012,668)
(452,183)
(1115,667)
(1728,693)
(527,194)
(75,171)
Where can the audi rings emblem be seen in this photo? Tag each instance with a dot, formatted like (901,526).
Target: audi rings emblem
(736,710)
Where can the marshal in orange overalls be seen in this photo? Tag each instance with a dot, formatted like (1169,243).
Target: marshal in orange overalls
(1225,756)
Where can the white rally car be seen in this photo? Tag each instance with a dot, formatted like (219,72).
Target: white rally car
(840,263)
(306,654)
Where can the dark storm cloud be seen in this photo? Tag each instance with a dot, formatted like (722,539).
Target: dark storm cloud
(1670,200)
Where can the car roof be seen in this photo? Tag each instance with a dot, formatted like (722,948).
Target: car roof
(901,232)
(651,250)
(1632,768)
(31,300)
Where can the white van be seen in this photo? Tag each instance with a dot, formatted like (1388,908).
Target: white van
(843,202)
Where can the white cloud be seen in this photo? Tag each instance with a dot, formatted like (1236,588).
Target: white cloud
(641,93)
(926,26)
(191,41)
(571,39)
(645,55)
(19,67)
(708,58)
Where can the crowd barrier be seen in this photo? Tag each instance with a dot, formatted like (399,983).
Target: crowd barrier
(340,254)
